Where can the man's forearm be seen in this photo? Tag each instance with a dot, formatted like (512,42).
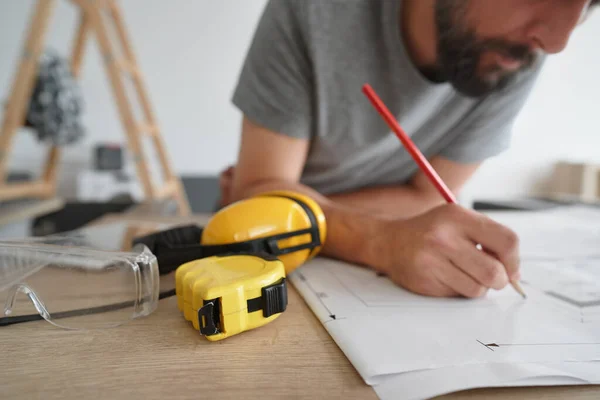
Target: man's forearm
(352,233)
(401,201)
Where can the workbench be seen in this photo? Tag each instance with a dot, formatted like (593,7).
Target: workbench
(162,356)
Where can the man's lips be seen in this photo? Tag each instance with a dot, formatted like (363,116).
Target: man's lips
(507,62)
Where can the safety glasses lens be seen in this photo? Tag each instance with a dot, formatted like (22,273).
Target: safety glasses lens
(80,291)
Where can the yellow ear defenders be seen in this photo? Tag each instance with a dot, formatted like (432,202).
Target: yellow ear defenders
(286,225)
(231,273)
(283,224)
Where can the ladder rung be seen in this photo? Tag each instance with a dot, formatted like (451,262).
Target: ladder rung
(129,67)
(167,190)
(147,128)
(12,191)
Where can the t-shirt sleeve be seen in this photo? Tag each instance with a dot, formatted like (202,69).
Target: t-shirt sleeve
(487,131)
(274,88)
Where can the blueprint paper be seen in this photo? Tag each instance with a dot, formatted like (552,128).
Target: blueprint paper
(572,232)
(388,332)
(384,329)
(430,383)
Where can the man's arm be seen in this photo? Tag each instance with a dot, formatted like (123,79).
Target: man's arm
(271,161)
(401,201)
(432,254)
(415,197)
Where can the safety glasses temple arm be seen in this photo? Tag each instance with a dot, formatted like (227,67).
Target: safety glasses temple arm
(5,321)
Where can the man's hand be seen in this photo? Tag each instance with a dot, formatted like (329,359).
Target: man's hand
(435,254)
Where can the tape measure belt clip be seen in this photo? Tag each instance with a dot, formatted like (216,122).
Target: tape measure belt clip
(273,299)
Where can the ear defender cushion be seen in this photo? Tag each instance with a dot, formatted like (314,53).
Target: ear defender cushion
(285,224)
(313,212)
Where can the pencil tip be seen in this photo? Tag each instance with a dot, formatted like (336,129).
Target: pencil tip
(519,289)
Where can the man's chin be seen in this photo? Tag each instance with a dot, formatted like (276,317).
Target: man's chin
(484,86)
(474,91)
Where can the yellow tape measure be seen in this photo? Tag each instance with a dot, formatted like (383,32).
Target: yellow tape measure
(225,295)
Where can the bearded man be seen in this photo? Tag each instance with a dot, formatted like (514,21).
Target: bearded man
(455,74)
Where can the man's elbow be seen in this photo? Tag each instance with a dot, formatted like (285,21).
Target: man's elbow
(233,188)
(244,190)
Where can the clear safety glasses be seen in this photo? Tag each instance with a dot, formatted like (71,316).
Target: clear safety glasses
(75,287)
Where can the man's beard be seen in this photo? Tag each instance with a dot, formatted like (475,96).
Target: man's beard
(459,52)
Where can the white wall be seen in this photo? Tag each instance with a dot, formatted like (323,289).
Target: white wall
(190,53)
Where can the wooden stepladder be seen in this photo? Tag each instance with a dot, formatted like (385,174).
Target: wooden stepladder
(97,17)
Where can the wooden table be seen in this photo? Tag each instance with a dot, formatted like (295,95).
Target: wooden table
(17,215)
(161,356)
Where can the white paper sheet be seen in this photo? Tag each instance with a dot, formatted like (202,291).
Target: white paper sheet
(385,330)
(571,232)
(430,383)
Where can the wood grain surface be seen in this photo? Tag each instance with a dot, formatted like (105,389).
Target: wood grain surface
(161,356)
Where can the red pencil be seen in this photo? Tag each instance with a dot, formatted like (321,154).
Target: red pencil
(415,153)
(410,146)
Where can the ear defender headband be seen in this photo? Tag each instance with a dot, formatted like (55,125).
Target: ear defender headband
(282,224)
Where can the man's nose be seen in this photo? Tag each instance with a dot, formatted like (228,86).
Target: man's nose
(553,29)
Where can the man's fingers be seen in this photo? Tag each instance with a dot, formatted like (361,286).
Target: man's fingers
(497,240)
(482,267)
(460,282)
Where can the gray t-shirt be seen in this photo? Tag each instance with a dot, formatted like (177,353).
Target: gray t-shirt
(303,77)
